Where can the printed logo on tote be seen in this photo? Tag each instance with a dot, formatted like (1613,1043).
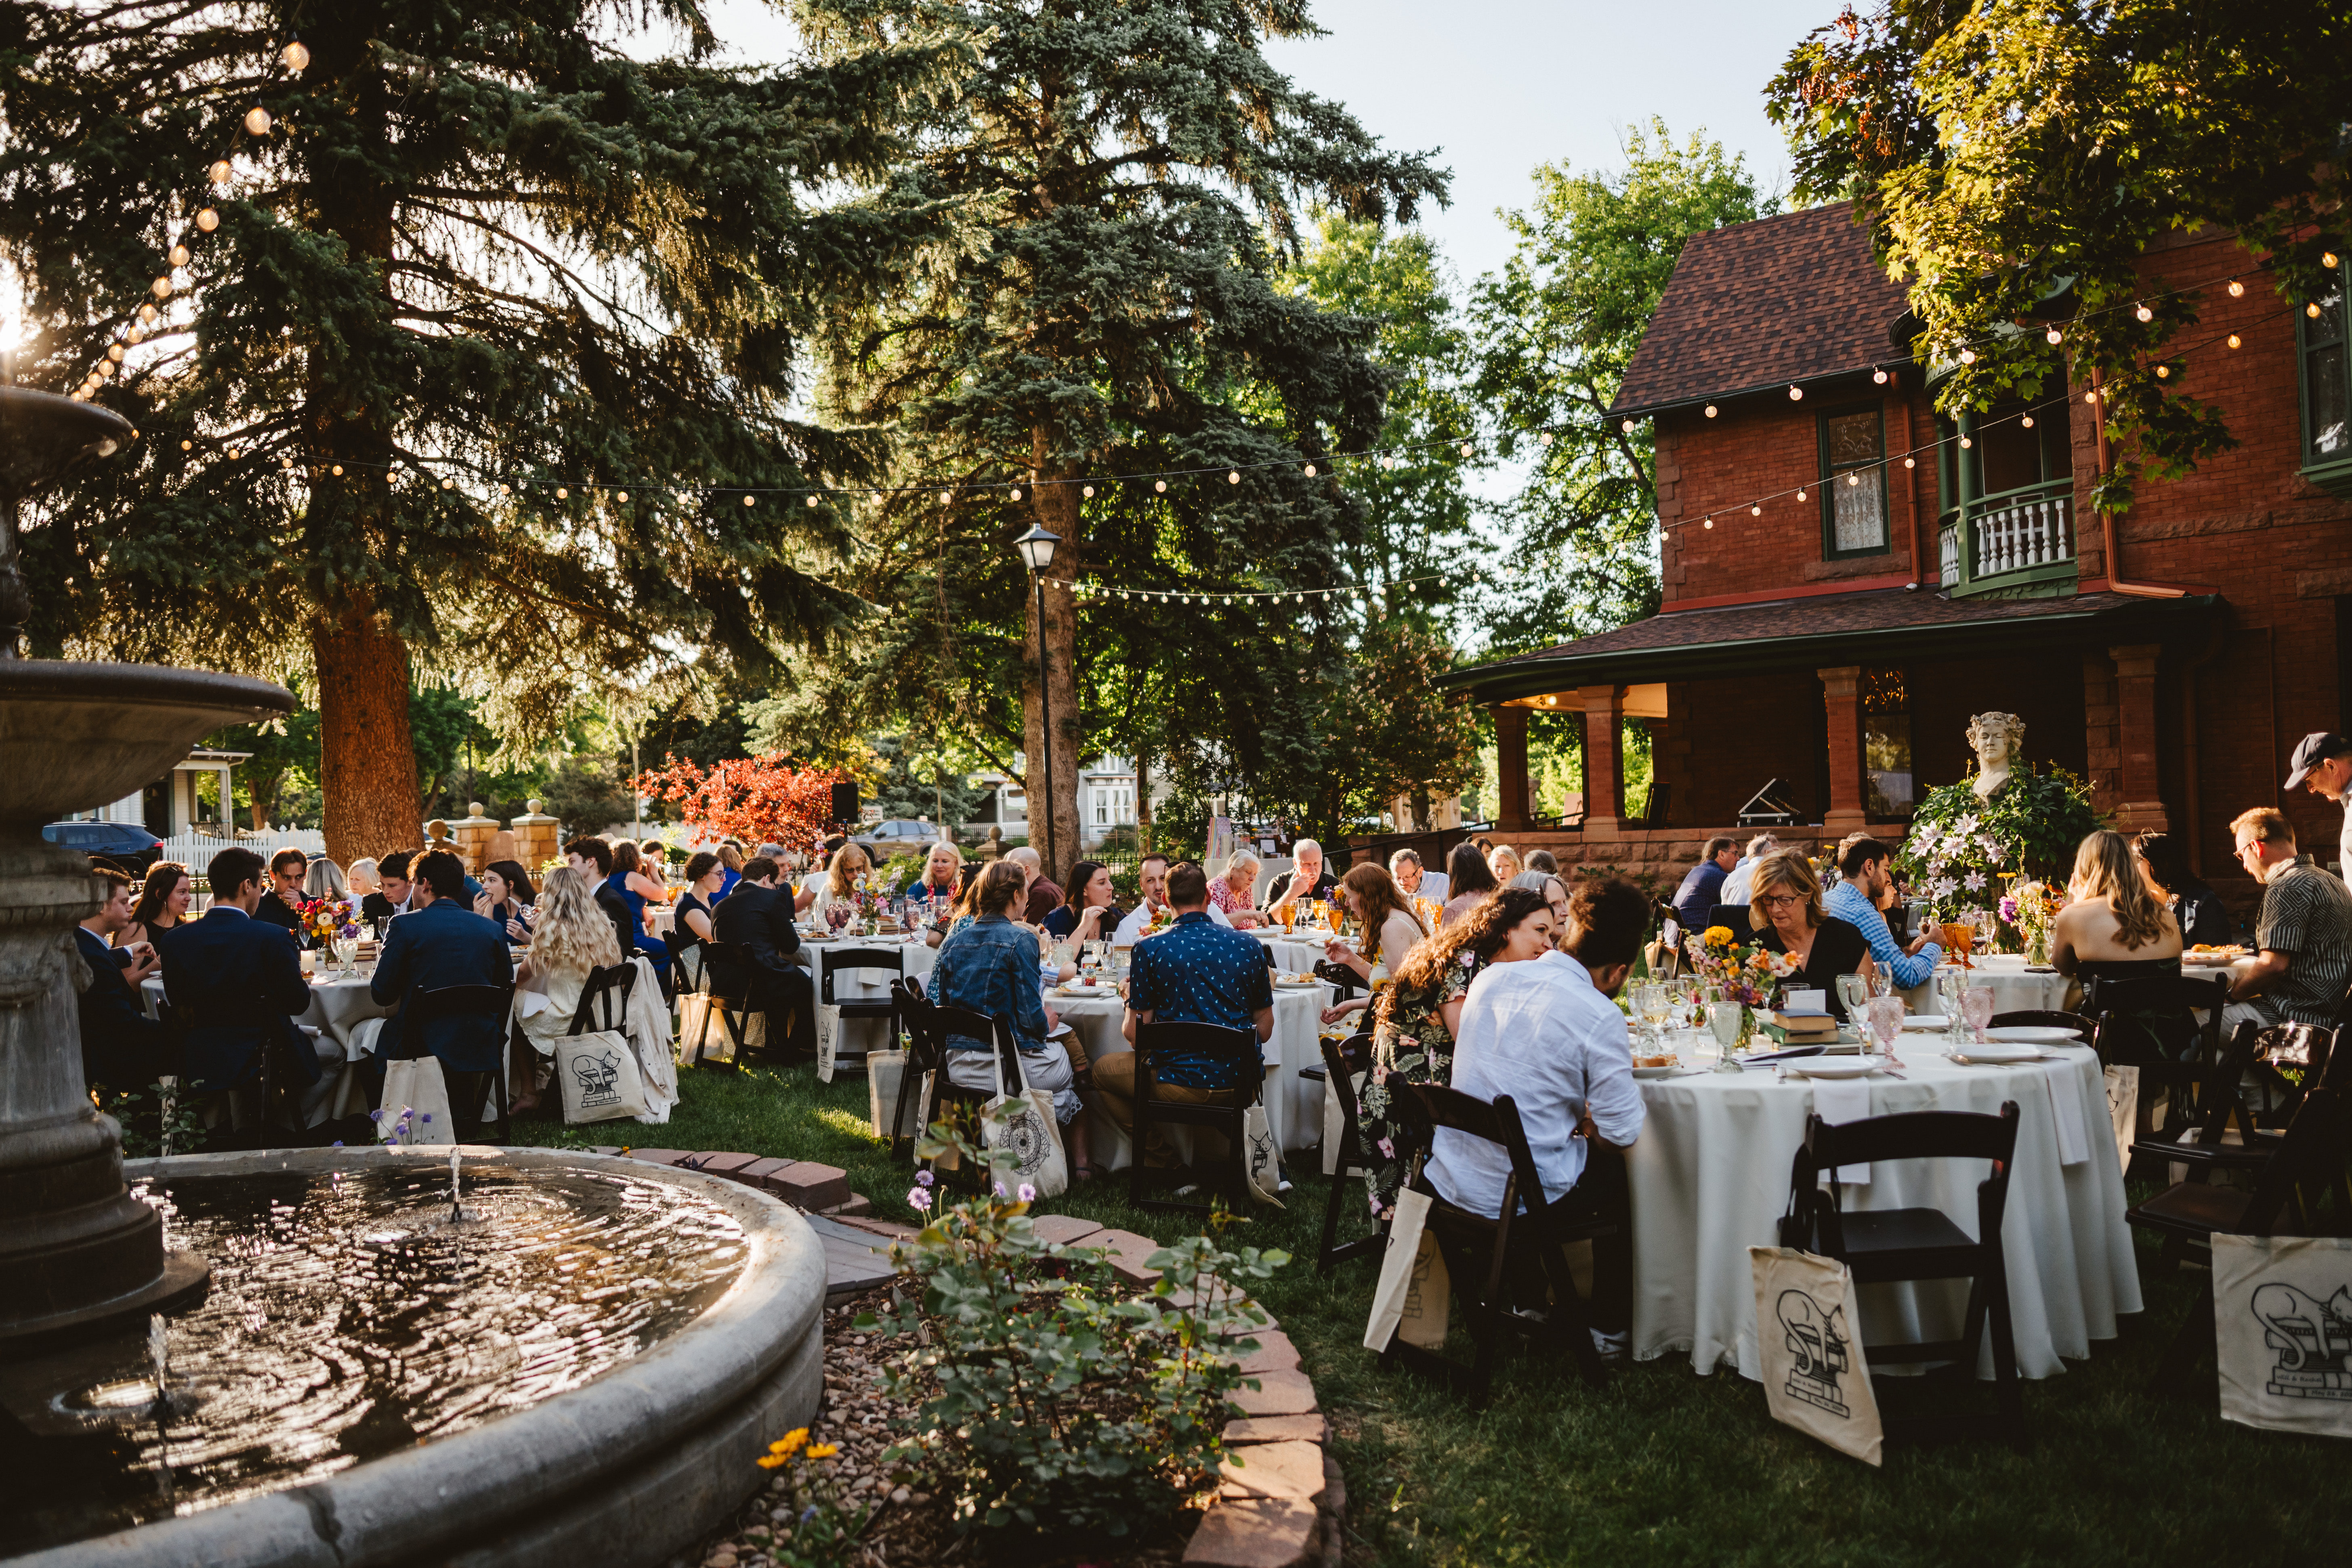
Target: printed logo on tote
(599,1079)
(2312,1339)
(1818,1340)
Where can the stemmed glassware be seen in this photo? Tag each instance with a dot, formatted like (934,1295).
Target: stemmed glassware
(347,953)
(1976,1005)
(1884,1016)
(1652,999)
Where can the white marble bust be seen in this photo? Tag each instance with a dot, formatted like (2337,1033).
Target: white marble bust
(1995,738)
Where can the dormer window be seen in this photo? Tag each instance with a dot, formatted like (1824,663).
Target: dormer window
(1854,482)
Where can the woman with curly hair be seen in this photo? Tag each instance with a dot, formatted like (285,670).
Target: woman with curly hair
(1414,1019)
(571,936)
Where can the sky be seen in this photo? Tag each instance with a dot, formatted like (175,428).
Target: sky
(1497,87)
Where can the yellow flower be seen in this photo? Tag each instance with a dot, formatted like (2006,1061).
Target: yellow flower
(773,1461)
(823,1451)
(1718,936)
(790,1443)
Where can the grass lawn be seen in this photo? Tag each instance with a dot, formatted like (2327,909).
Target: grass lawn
(1667,1467)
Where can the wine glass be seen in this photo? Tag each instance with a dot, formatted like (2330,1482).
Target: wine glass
(1723,1019)
(1976,1005)
(1882,981)
(1884,1015)
(837,917)
(347,952)
(1652,1002)
(1852,993)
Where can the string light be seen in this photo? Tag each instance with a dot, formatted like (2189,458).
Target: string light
(1800,495)
(1160,486)
(1879,377)
(2311,310)
(2142,313)
(503,489)
(2163,372)
(1910,462)
(2237,290)
(1710,411)
(208,220)
(1016,492)
(256,121)
(2236,342)
(2327,259)
(2027,421)
(562,493)
(623,499)
(445,484)
(1967,356)
(337,471)
(811,501)
(947,497)
(1710,522)
(1627,427)
(2055,336)
(1466,448)
(1796,395)
(750,501)
(1965,444)
(1234,477)
(218,174)
(1546,437)
(1853,478)
(1755,511)
(146,313)
(179,256)
(297,57)
(1089,491)
(163,288)
(1310,470)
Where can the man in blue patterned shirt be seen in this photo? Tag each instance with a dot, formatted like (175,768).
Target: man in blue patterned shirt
(1863,878)
(1195,971)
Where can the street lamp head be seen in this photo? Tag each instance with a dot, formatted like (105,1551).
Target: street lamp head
(1036,547)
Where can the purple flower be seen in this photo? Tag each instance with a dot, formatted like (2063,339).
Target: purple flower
(923,1178)
(808,1514)
(375,1115)
(428,1116)
(1028,1194)
(339,1143)
(919,1198)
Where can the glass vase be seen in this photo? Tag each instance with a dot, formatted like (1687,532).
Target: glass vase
(2037,945)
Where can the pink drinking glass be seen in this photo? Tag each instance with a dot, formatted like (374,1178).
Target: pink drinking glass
(1976,1006)
(1885,1016)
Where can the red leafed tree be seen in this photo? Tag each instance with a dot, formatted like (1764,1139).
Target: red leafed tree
(757,800)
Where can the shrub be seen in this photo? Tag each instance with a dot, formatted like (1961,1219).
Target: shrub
(1049,1399)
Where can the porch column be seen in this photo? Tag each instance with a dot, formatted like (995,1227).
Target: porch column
(1841,692)
(1604,759)
(2141,808)
(1511,765)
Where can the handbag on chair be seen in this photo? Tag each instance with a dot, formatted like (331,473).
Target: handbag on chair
(1018,1131)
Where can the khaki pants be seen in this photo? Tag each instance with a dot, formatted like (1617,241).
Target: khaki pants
(1114,1081)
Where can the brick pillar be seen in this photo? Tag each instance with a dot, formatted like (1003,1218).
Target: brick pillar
(535,839)
(1841,689)
(2141,805)
(1604,759)
(1511,767)
(2103,751)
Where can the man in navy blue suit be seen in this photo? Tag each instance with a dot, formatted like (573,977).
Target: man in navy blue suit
(122,1046)
(441,942)
(236,984)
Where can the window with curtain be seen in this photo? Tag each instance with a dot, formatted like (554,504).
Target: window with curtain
(1887,744)
(1854,482)
(2326,389)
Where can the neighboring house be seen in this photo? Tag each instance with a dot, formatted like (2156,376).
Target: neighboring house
(1106,799)
(1839,642)
(173,804)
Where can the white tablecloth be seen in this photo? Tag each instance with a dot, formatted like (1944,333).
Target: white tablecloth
(1292,954)
(1710,1178)
(856,1037)
(338,1006)
(1294,1107)
(2015,989)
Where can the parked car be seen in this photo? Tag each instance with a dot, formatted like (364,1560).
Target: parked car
(897,836)
(126,844)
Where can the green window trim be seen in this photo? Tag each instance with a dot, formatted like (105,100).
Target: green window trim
(1834,470)
(2324,376)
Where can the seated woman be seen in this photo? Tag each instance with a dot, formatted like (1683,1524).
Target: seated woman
(1090,913)
(1415,1018)
(640,893)
(362,878)
(932,896)
(1467,881)
(1786,912)
(1235,891)
(505,898)
(162,902)
(1504,862)
(2116,928)
(705,875)
(325,879)
(989,966)
(837,888)
(1554,892)
(1390,931)
(2196,908)
(730,867)
(571,936)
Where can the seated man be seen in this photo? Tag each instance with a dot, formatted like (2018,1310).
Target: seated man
(397,894)
(593,858)
(1866,875)
(1196,971)
(1695,898)
(2303,932)
(755,922)
(282,904)
(1153,879)
(440,944)
(236,986)
(122,1046)
(1546,1033)
(1306,877)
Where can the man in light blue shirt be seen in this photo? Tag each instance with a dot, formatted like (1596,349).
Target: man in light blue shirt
(1863,878)
(1739,886)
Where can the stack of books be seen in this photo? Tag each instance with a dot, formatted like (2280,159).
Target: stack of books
(1801,1028)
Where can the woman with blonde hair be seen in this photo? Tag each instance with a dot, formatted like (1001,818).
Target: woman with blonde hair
(1386,926)
(1786,912)
(1504,861)
(362,878)
(325,879)
(1234,889)
(572,936)
(2116,926)
(839,882)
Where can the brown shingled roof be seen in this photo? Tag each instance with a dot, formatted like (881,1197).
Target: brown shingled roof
(1787,298)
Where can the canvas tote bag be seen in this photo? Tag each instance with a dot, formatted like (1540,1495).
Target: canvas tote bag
(1261,1155)
(2122,1109)
(1022,1140)
(2283,1332)
(415,1085)
(1414,1298)
(599,1074)
(885,1071)
(1810,1345)
(1335,1120)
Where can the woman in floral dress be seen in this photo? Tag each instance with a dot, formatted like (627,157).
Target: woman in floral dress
(1413,1023)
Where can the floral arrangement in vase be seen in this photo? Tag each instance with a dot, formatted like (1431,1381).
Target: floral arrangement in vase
(1746,973)
(326,919)
(1960,842)
(2031,908)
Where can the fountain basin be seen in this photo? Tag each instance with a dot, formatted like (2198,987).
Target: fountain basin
(657,1451)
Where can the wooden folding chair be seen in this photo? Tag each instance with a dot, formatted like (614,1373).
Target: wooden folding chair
(2150,1022)
(1880,1245)
(934,1026)
(1342,1059)
(1154,1043)
(1489,1257)
(728,1006)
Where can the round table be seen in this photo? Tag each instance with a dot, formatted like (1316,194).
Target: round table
(2015,988)
(1710,1177)
(1292,954)
(1294,1107)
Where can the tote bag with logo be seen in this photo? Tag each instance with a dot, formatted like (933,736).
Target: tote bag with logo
(2283,1332)
(885,1071)
(415,1104)
(1023,1140)
(1414,1298)
(1806,1336)
(1261,1155)
(599,1074)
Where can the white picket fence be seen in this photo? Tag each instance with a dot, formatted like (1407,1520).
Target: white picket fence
(193,850)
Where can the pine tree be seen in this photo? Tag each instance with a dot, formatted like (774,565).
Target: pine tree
(1119,313)
(484,339)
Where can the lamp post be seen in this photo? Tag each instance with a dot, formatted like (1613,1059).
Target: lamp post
(1036,548)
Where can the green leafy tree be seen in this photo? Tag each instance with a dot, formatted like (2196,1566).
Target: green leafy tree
(283,748)
(495,336)
(1555,331)
(1120,313)
(923,782)
(2016,159)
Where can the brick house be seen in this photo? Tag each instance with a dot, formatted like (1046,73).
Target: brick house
(1847,576)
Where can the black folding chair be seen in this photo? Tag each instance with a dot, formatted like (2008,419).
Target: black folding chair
(729,1004)
(1491,1260)
(926,1053)
(1154,1043)
(2202,1114)
(2296,1175)
(2045,1018)
(855,960)
(939,1024)
(249,1111)
(1342,1060)
(1880,1245)
(468,1090)
(2150,1022)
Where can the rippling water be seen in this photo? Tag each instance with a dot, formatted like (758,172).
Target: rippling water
(348,1318)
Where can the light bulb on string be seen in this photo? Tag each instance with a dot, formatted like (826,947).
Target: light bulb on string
(2327,259)
(208,220)
(750,501)
(337,471)
(1710,411)
(2141,312)
(2055,336)
(256,121)
(1627,427)
(1755,511)
(1879,377)
(1967,356)
(114,352)
(163,288)
(2163,373)
(1546,437)
(2237,290)
(1966,442)
(1910,462)
(296,57)
(947,497)
(1466,448)
(136,335)
(218,174)
(187,445)
(1087,491)
(1796,394)
(2091,396)
(562,493)
(2236,342)
(448,484)
(1016,492)
(2027,421)
(1853,478)
(811,501)
(1800,495)
(2311,310)
(146,313)
(179,256)
(1234,477)
(503,489)
(623,498)
(1310,470)
(1710,522)
(1160,486)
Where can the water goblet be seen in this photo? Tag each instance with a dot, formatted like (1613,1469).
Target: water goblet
(1884,1015)
(347,952)
(1882,981)
(1723,1019)
(1976,1005)
(1852,991)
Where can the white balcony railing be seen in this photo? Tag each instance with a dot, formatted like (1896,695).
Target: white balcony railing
(2021,530)
(1949,567)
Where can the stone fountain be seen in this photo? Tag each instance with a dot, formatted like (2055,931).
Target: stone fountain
(368,1382)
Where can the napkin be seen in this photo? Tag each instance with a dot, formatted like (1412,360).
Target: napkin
(1837,1100)
(2066,1108)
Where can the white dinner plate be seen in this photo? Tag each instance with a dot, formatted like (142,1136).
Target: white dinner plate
(1086,990)
(1833,1067)
(1999,1051)
(1297,984)
(1927,1021)
(1657,1072)
(2033,1034)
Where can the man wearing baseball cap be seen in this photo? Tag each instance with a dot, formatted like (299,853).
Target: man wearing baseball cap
(2323,765)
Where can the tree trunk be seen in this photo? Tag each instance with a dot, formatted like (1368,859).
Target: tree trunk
(1054,827)
(367,769)
(1144,803)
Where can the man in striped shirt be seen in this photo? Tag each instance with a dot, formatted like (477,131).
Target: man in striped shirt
(2304,932)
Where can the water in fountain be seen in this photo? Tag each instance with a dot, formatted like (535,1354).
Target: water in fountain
(350,1318)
